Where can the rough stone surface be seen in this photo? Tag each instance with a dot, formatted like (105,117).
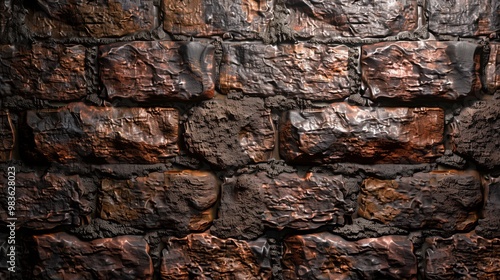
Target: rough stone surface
(490,223)
(6,136)
(5,20)
(493,68)
(304,70)
(463,18)
(202,256)
(251,201)
(63,256)
(45,201)
(362,228)
(475,133)
(242,19)
(180,200)
(44,71)
(157,70)
(446,200)
(73,18)
(327,256)
(462,256)
(420,70)
(230,133)
(342,132)
(78,132)
(324,20)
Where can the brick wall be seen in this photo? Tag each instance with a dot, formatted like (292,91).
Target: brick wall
(287,139)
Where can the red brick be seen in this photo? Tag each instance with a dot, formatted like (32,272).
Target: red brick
(180,200)
(304,70)
(7,138)
(158,70)
(446,200)
(77,132)
(429,70)
(345,133)
(63,256)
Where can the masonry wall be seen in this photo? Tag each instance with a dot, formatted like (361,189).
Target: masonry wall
(250,139)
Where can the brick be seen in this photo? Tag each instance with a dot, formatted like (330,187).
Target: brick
(309,71)
(475,133)
(252,201)
(429,70)
(45,71)
(343,18)
(63,256)
(464,18)
(157,70)
(462,256)
(446,200)
(489,223)
(96,19)
(77,132)
(202,255)
(492,71)
(229,133)
(327,256)
(49,200)
(244,19)
(180,200)
(345,133)
(7,138)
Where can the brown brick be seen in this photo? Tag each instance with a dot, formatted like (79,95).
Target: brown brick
(464,18)
(489,223)
(63,256)
(49,200)
(341,18)
(44,71)
(179,200)
(493,69)
(420,70)
(201,18)
(327,256)
(78,132)
(203,254)
(304,70)
(462,256)
(445,200)
(7,138)
(158,70)
(68,18)
(252,201)
(345,133)
(229,133)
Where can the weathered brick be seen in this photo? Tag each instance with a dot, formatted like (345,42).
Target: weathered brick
(327,256)
(446,200)
(44,71)
(229,133)
(70,18)
(252,201)
(489,223)
(179,200)
(244,19)
(7,138)
(463,18)
(475,133)
(345,133)
(304,70)
(420,70)
(63,256)
(344,18)
(493,68)
(157,70)
(77,132)
(462,256)
(203,255)
(49,200)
